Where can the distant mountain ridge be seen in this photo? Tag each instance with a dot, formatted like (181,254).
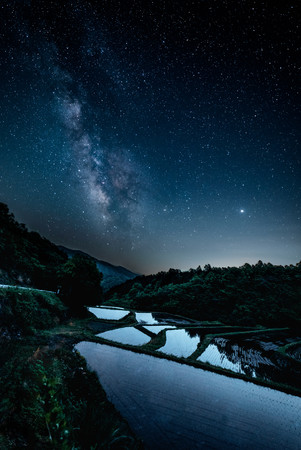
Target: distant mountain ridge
(112,275)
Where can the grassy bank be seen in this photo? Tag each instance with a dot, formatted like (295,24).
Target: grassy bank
(49,398)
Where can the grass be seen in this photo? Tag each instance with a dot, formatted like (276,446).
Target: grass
(50,400)
(25,311)
(157,342)
(284,349)
(48,397)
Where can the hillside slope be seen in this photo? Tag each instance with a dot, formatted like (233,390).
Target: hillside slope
(112,275)
(259,294)
(26,258)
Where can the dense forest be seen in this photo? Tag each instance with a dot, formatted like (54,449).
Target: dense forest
(26,258)
(252,294)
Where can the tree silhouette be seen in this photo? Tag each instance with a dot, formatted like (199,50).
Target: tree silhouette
(80,282)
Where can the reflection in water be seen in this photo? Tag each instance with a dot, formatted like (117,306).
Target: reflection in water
(175,406)
(126,335)
(157,328)
(241,355)
(145,318)
(111,307)
(179,343)
(212,355)
(231,356)
(169,318)
(161,318)
(108,314)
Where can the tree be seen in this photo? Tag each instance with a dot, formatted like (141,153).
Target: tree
(80,282)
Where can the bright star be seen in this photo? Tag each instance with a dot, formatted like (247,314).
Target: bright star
(242,211)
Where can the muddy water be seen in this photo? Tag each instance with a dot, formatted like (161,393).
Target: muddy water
(176,406)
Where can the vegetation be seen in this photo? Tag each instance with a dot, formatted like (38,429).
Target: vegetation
(25,257)
(80,282)
(30,260)
(23,312)
(48,397)
(249,295)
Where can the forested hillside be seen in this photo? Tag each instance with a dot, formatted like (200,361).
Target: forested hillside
(26,258)
(252,294)
(112,275)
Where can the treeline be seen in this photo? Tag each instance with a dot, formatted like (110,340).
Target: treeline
(27,259)
(249,295)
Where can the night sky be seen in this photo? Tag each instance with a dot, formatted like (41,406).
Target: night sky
(154,134)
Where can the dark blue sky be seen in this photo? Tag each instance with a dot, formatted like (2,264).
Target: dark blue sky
(154,136)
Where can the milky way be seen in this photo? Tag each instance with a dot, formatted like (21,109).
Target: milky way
(154,135)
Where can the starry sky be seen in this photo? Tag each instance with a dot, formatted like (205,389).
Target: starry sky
(154,134)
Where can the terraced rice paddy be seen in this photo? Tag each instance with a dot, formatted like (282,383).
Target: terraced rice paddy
(179,343)
(240,360)
(108,314)
(157,328)
(126,335)
(171,405)
(255,356)
(250,352)
(146,318)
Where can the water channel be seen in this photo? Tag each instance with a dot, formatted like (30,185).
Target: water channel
(171,405)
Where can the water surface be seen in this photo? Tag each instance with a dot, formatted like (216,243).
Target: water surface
(111,307)
(250,356)
(157,328)
(213,356)
(108,314)
(179,343)
(162,318)
(126,335)
(175,406)
(146,318)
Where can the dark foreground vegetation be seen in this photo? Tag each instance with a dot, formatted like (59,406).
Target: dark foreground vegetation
(249,295)
(48,397)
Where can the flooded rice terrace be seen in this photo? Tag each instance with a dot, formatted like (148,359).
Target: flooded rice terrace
(255,357)
(179,343)
(162,318)
(126,335)
(253,354)
(108,314)
(172,405)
